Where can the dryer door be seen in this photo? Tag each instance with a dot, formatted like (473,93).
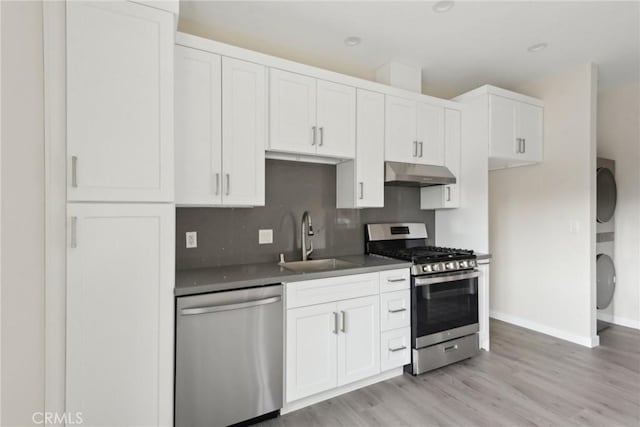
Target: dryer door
(607,195)
(606,280)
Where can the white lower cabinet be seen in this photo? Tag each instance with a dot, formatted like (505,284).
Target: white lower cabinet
(395,348)
(395,310)
(119,350)
(311,353)
(330,345)
(358,339)
(334,342)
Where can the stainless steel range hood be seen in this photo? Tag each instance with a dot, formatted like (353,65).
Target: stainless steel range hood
(413,175)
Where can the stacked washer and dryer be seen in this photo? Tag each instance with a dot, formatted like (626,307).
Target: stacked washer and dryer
(605,239)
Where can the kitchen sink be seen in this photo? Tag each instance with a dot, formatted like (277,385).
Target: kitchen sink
(315,265)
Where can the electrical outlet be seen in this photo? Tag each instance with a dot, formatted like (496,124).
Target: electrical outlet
(265,237)
(192,239)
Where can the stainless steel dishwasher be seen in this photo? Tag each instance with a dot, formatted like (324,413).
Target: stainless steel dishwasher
(229,356)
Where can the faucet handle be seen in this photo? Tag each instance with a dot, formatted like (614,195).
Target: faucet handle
(281,259)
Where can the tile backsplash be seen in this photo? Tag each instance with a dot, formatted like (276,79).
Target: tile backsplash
(229,236)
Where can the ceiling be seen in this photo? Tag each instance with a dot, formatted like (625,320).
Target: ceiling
(472,44)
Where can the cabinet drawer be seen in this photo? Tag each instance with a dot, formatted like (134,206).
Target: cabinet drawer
(300,294)
(395,348)
(394,280)
(395,310)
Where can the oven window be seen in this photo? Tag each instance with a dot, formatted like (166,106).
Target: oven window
(444,306)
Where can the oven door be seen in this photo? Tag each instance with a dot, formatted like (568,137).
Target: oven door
(444,307)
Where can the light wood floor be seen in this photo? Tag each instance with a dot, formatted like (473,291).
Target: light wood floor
(527,379)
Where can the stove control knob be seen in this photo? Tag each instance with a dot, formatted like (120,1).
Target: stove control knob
(449,266)
(427,268)
(464,264)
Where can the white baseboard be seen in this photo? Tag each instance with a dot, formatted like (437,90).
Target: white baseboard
(617,320)
(547,330)
(307,401)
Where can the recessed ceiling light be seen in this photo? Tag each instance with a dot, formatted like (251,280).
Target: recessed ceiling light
(443,6)
(537,47)
(352,41)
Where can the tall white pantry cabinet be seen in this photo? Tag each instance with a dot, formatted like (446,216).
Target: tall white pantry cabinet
(120,213)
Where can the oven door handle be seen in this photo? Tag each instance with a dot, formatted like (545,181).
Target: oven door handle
(422,281)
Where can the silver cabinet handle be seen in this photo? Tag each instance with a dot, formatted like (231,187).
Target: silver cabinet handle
(415,148)
(421,148)
(403,347)
(227,307)
(521,148)
(450,348)
(228,184)
(401,279)
(74,171)
(448,194)
(361,190)
(321,136)
(343,316)
(524,145)
(398,310)
(315,131)
(335,322)
(74,232)
(217,183)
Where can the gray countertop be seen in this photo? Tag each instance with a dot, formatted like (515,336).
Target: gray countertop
(482,256)
(214,279)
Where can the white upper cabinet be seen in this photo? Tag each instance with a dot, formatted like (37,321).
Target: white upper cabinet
(360,183)
(515,130)
(447,196)
(198,133)
(529,127)
(401,141)
(336,120)
(119,102)
(220,130)
(431,134)
(244,129)
(414,132)
(119,336)
(293,112)
(311,116)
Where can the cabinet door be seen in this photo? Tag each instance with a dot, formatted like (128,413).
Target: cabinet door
(198,134)
(370,150)
(119,368)
(359,339)
(395,348)
(395,310)
(430,134)
(119,102)
(311,356)
(292,112)
(336,120)
(529,127)
(453,141)
(243,132)
(400,143)
(502,127)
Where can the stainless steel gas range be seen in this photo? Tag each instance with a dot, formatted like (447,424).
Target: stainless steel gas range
(444,294)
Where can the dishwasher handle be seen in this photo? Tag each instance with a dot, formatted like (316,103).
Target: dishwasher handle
(227,307)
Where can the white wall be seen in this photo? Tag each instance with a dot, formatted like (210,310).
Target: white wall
(619,139)
(542,227)
(22,216)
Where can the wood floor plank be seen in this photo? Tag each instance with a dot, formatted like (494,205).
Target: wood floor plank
(528,379)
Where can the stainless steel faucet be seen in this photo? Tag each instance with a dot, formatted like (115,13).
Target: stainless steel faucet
(304,232)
